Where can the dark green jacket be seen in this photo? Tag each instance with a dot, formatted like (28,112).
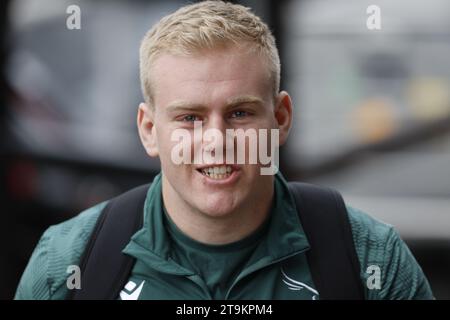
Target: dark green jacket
(277,268)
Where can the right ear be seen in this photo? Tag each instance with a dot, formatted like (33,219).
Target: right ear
(146,128)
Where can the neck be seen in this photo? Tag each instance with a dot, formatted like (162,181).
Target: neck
(208,229)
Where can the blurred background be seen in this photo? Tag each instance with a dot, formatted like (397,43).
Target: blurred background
(372,113)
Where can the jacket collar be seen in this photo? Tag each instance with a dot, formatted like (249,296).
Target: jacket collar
(285,236)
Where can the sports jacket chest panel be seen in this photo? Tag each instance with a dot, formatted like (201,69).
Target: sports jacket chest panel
(284,240)
(288,279)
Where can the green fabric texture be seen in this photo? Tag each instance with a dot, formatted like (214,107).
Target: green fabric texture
(262,266)
(379,244)
(258,276)
(218,265)
(59,247)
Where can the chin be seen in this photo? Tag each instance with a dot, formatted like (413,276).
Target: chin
(216,206)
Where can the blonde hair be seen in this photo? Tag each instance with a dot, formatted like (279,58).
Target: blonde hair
(207,25)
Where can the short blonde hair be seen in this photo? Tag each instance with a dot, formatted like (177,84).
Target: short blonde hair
(207,25)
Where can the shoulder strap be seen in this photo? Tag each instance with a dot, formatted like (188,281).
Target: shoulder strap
(104,268)
(332,258)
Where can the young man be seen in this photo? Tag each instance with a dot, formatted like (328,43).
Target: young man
(218,230)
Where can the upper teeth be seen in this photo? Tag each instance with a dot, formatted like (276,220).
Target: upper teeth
(217,170)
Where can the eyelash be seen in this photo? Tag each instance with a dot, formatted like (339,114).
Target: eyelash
(185,118)
(189,115)
(242,111)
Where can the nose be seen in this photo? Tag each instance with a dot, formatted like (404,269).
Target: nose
(216,121)
(215,142)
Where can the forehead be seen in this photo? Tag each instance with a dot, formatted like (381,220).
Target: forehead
(210,76)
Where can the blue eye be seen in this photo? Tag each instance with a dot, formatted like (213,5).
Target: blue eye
(191,118)
(238,114)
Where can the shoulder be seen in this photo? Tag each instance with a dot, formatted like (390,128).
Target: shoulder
(60,246)
(379,247)
(369,233)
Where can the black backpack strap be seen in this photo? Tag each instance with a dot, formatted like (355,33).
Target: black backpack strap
(104,268)
(332,258)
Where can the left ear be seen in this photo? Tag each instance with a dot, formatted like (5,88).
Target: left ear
(283,115)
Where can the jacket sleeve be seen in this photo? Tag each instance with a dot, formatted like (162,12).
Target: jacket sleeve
(404,278)
(34,282)
(60,246)
(389,270)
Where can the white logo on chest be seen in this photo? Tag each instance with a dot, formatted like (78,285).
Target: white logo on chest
(133,292)
(297,285)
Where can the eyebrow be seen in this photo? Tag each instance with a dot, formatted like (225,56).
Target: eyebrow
(244,99)
(184,105)
(231,103)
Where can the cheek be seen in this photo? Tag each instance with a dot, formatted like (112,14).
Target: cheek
(171,151)
(164,143)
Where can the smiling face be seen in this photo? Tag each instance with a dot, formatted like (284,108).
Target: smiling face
(224,89)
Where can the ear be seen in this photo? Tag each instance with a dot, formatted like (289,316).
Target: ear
(283,115)
(147,130)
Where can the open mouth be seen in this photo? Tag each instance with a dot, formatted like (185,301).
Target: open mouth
(217,172)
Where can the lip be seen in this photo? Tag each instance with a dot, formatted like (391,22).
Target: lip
(234,176)
(235,167)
